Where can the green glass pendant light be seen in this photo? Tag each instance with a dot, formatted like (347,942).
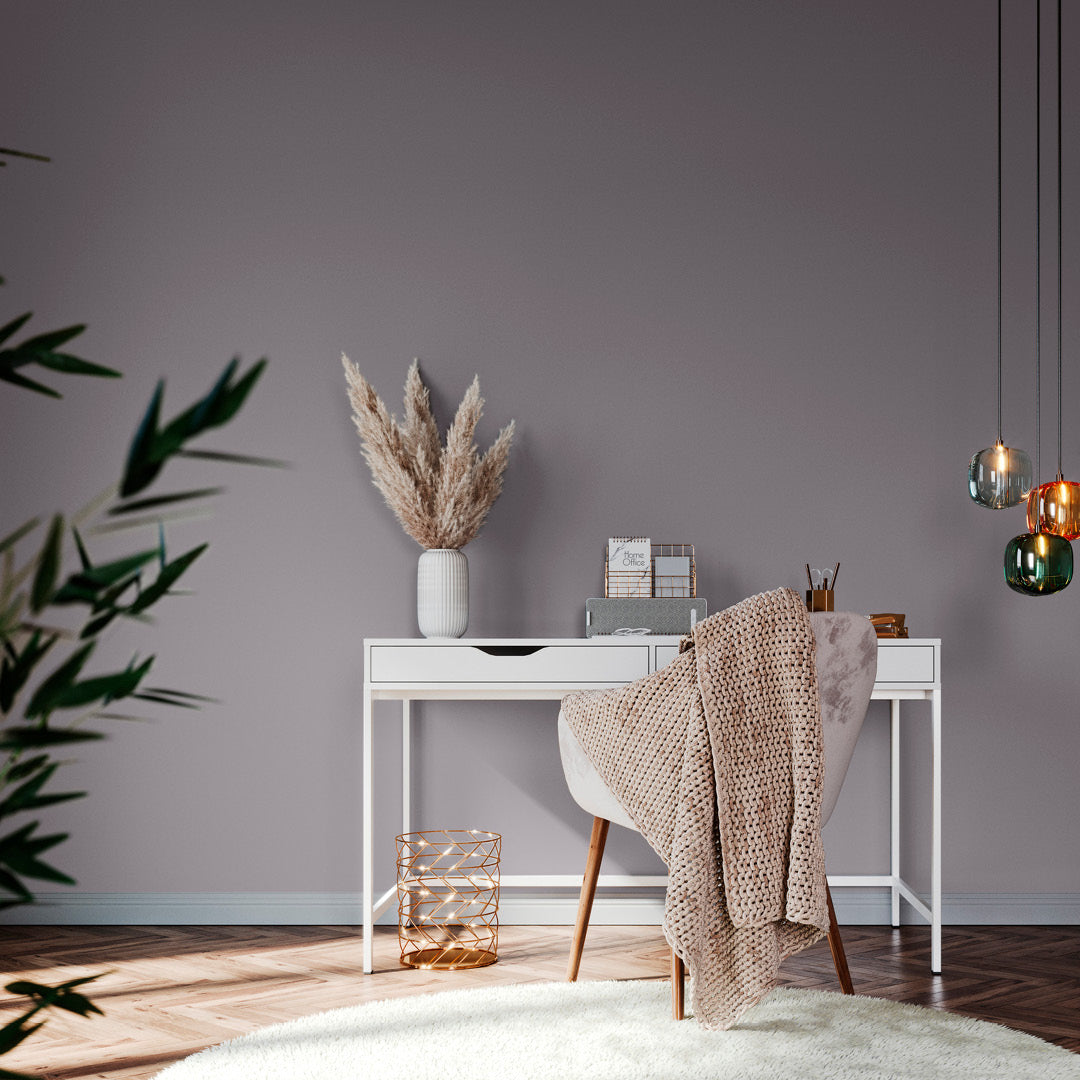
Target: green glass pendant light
(999,476)
(1038,563)
(1055,507)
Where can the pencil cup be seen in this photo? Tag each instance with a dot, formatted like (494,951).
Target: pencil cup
(819,599)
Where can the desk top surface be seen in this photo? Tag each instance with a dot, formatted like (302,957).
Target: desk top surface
(592,642)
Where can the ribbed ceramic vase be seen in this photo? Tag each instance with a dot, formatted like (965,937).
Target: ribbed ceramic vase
(442,593)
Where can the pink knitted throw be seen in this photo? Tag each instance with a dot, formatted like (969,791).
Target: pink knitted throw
(717,758)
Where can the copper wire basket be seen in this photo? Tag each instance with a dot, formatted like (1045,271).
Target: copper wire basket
(618,583)
(448,898)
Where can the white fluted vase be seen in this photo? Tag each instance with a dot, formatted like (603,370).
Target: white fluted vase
(442,593)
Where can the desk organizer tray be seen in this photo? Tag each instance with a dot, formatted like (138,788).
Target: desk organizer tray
(648,615)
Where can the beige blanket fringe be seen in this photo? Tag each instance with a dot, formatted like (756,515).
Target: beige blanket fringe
(717,758)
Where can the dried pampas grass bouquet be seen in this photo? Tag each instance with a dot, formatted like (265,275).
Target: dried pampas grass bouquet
(441,494)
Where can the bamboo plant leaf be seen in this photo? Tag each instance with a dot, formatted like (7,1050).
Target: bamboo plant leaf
(235,459)
(198,417)
(41,349)
(24,737)
(103,688)
(173,697)
(128,524)
(48,566)
(87,585)
(28,795)
(152,446)
(14,537)
(57,682)
(11,616)
(16,670)
(18,379)
(181,694)
(50,340)
(16,888)
(84,556)
(76,365)
(165,580)
(19,769)
(136,505)
(142,464)
(19,852)
(12,328)
(231,402)
(98,623)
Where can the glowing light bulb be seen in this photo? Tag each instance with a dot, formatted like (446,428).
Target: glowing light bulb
(999,476)
(1055,508)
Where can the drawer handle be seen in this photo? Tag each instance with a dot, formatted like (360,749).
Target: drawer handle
(509,650)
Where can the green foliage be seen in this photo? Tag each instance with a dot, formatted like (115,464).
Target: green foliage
(42,350)
(43,690)
(57,602)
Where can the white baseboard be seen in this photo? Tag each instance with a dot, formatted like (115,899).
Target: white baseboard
(854,906)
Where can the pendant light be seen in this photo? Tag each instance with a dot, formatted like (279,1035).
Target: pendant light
(1055,507)
(1037,562)
(999,476)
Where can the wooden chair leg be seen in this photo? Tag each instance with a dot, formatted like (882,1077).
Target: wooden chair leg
(677,973)
(588,891)
(836,944)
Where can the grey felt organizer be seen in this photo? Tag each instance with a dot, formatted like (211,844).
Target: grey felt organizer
(653,615)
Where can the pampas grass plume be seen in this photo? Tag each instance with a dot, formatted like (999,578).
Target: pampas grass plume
(440,494)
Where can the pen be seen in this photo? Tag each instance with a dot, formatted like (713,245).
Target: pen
(809,579)
(834,573)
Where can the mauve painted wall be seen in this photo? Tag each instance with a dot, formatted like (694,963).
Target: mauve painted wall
(730,267)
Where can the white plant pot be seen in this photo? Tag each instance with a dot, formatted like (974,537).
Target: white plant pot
(442,593)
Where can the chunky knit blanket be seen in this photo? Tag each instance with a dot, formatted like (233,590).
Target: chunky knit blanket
(717,758)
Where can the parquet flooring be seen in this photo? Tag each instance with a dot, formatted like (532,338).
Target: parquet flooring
(169,991)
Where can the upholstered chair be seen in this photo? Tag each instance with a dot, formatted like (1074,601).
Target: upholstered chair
(846,666)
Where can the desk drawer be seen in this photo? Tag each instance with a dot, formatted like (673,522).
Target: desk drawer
(905,663)
(665,654)
(566,665)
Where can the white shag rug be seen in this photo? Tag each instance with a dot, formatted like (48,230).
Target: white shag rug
(624,1031)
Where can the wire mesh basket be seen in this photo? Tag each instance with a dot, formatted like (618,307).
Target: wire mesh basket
(448,898)
(672,573)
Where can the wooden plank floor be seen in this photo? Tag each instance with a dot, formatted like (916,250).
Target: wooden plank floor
(169,991)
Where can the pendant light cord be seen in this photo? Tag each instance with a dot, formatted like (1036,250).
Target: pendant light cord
(1038,300)
(1059,472)
(999,438)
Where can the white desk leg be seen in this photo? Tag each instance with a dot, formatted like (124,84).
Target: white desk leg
(369,833)
(894,803)
(406,767)
(935,848)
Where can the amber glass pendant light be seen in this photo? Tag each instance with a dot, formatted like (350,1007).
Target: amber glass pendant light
(1055,507)
(1037,562)
(999,476)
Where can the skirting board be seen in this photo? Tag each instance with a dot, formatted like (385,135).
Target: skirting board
(854,906)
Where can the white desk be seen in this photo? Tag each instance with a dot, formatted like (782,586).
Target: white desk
(536,669)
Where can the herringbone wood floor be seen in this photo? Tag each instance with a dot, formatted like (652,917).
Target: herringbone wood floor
(169,991)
